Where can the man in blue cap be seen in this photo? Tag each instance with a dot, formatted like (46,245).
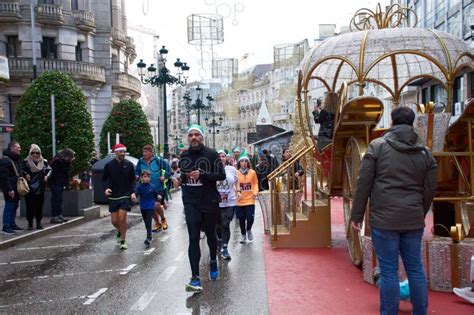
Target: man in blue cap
(201,168)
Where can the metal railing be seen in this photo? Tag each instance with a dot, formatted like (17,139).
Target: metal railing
(295,187)
(82,70)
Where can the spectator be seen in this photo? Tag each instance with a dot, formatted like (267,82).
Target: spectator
(58,180)
(263,170)
(297,169)
(37,168)
(399,176)
(325,116)
(8,179)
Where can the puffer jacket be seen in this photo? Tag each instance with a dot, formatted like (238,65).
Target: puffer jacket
(399,176)
(8,176)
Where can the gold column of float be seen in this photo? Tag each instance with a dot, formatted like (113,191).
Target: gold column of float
(360,73)
(396,98)
(450,71)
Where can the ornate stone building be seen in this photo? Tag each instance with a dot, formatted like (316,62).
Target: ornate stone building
(86,39)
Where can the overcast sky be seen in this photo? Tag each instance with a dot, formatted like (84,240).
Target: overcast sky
(251,27)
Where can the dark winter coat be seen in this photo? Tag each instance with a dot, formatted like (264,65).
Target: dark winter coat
(399,177)
(59,172)
(326,121)
(8,176)
(36,183)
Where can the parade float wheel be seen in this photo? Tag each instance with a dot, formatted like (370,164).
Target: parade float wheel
(355,149)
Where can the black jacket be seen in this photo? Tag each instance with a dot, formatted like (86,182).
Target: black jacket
(326,121)
(263,169)
(8,176)
(119,177)
(59,172)
(399,176)
(202,191)
(36,179)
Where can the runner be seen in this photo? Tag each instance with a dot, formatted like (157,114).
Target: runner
(119,178)
(200,169)
(227,188)
(148,196)
(248,190)
(160,171)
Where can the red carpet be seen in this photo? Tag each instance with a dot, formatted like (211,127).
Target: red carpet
(324,281)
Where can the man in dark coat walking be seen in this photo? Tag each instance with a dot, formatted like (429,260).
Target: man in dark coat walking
(8,179)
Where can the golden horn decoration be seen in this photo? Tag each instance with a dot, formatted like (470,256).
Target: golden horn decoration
(394,16)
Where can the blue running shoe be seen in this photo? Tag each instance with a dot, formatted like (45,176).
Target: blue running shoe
(194,285)
(213,270)
(225,253)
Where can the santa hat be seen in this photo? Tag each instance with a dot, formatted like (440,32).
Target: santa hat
(196,127)
(236,149)
(221,151)
(119,147)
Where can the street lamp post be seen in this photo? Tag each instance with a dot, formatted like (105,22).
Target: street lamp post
(198,105)
(161,79)
(214,124)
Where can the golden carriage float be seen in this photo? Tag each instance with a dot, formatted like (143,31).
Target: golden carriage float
(372,70)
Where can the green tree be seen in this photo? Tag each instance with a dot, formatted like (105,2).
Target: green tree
(73,121)
(127,119)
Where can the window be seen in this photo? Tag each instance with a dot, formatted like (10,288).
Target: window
(466,24)
(424,96)
(78,52)
(75,5)
(48,48)
(458,89)
(13,46)
(45,1)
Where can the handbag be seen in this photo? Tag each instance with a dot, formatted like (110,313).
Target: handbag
(21,182)
(35,184)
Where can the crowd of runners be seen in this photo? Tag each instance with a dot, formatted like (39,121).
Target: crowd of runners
(216,186)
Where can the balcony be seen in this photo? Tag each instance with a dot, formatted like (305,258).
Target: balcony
(79,71)
(50,14)
(84,20)
(118,37)
(127,84)
(9,12)
(131,49)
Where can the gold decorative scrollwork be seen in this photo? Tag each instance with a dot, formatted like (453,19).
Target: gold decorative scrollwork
(395,15)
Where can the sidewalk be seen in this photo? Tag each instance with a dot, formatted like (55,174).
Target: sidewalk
(94,212)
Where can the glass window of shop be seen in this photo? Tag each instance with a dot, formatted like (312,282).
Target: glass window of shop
(453,3)
(458,95)
(439,10)
(454,24)
(466,20)
(439,96)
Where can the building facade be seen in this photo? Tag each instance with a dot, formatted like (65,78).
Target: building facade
(86,39)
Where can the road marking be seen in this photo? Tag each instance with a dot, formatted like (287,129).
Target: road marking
(122,271)
(26,261)
(180,256)
(93,297)
(167,273)
(143,301)
(127,270)
(164,238)
(149,251)
(48,247)
(78,235)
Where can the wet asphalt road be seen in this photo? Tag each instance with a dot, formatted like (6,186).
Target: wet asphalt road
(81,270)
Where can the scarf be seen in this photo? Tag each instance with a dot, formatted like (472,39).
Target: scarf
(35,166)
(244,171)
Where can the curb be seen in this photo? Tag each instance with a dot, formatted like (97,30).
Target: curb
(88,214)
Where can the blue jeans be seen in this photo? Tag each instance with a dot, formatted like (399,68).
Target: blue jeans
(388,246)
(9,214)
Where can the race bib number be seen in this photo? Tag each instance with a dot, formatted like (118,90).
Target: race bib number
(193,182)
(224,197)
(245,186)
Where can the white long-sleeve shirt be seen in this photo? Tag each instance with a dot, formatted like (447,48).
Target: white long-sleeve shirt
(227,187)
